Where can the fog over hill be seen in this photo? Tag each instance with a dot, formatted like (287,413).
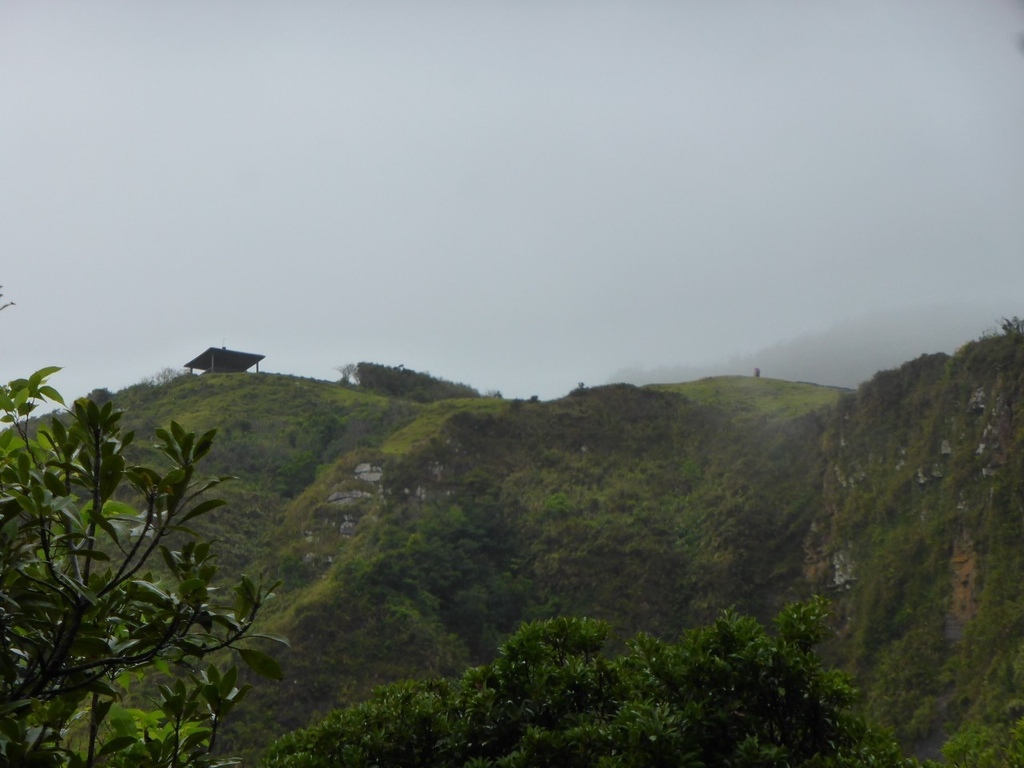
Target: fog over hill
(516,195)
(847,353)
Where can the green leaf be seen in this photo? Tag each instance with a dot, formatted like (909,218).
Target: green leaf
(194,739)
(102,522)
(174,477)
(101,709)
(275,638)
(227,682)
(189,586)
(93,554)
(82,591)
(51,394)
(202,509)
(117,744)
(261,663)
(44,373)
(118,508)
(90,646)
(155,595)
(170,559)
(10,707)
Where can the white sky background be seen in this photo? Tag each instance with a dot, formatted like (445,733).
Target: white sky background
(518,195)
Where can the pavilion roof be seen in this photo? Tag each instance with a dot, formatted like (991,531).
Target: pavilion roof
(224,360)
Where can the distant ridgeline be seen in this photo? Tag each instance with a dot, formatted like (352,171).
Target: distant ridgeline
(417,524)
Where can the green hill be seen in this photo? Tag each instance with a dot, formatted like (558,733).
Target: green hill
(413,535)
(756,396)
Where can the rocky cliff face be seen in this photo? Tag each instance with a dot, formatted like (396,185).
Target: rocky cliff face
(920,539)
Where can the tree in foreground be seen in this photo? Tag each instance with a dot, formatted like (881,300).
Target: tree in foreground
(730,694)
(82,612)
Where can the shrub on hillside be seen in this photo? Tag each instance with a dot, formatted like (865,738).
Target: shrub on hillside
(726,694)
(399,381)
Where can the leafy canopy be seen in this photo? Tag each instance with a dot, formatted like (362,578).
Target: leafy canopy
(726,694)
(82,613)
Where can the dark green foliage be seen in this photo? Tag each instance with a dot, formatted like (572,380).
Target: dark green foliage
(456,564)
(1012,326)
(295,474)
(405,383)
(726,694)
(82,608)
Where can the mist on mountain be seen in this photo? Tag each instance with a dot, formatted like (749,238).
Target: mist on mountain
(847,353)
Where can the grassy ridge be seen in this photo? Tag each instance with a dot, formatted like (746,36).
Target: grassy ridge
(773,398)
(430,420)
(649,507)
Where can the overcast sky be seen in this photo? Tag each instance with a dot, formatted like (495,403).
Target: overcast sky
(516,194)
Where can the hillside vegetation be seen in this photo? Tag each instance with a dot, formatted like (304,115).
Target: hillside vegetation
(415,535)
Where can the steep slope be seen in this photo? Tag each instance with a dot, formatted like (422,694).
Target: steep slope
(274,432)
(644,507)
(413,537)
(920,537)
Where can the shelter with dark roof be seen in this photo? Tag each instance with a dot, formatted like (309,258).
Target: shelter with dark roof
(224,360)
